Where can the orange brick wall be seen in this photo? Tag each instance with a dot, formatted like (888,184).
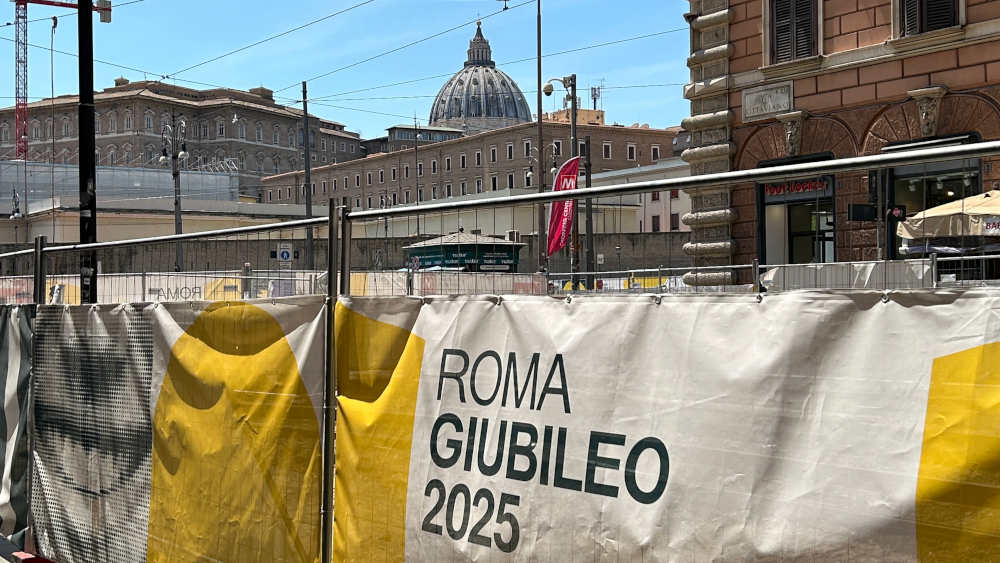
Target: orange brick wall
(849,24)
(745,35)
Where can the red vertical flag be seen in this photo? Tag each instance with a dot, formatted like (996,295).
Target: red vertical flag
(561,213)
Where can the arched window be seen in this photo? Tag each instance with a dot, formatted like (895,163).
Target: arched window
(36,130)
(97,124)
(242,130)
(276,136)
(128,157)
(67,128)
(277,164)
(259,133)
(128,121)
(242,159)
(112,157)
(149,121)
(112,124)
(4,133)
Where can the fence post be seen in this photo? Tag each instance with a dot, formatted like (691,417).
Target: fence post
(247,288)
(755,272)
(39,277)
(659,279)
(345,251)
(330,388)
(934,270)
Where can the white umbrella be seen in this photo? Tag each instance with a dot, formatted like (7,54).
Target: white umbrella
(977,215)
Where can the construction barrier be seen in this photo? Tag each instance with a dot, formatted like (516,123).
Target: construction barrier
(808,426)
(179,431)
(15,365)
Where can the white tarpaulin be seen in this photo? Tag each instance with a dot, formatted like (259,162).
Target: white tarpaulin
(811,425)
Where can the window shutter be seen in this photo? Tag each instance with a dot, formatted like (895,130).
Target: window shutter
(940,14)
(910,16)
(782,42)
(805,25)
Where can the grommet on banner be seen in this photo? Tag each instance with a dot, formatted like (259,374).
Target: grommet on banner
(569,299)
(760,298)
(658,299)
(885,296)
(497,300)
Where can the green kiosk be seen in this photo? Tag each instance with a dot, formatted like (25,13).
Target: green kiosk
(464,251)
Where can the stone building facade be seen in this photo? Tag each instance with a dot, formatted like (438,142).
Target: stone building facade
(403,137)
(781,81)
(249,129)
(490,161)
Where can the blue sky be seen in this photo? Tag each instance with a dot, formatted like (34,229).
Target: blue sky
(163,37)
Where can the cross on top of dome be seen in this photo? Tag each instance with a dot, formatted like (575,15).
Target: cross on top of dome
(480,53)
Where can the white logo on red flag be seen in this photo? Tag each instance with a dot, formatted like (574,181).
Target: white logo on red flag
(561,213)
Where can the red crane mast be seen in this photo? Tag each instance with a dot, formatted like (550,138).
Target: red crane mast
(21,64)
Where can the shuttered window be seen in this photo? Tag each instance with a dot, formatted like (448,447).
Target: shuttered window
(919,16)
(793,33)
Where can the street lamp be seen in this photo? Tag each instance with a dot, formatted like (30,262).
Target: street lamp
(175,149)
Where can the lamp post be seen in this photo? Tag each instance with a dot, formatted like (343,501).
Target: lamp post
(175,148)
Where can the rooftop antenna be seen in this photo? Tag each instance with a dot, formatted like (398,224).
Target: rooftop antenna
(504,3)
(595,94)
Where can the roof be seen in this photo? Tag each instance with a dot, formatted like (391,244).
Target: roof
(426,128)
(455,239)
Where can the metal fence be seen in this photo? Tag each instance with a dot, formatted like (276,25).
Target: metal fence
(368,254)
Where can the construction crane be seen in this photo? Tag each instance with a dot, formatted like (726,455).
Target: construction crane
(21,64)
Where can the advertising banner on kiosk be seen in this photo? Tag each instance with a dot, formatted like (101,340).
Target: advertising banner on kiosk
(811,425)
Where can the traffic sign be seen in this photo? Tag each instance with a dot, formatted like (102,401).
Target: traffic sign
(285,253)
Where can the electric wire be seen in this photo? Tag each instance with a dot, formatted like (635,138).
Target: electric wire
(68,14)
(271,38)
(407,45)
(516,61)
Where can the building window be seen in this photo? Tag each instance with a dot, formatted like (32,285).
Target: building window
(510,181)
(630,152)
(655,152)
(447,190)
(447,164)
(347,183)
(242,130)
(335,184)
(313,187)
(655,196)
(381,176)
(919,16)
(479,185)
(357,180)
(493,183)
(352,148)
(607,151)
(128,121)
(434,167)
(793,29)
(220,130)
(322,144)
(464,191)
(674,194)
(510,151)
(527,149)
(406,171)
(434,192)
(656,223)
(420,194)
(393,173)
(277,166)
(66,128)
(479,158)
(420,169)
(369,202)
(324,186)
(675,221)
(112,124)
(276,136)
(797,220)
(343,146)
(394,201)
(291,138)
(269,194)
(36,131)
(493,154)
(149,121)
(461,162)
(369,178)
(259,133)
(406,196)
(582,149)
(527,178)
(557,148)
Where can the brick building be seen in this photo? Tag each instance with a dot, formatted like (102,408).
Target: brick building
(265,137)
(781,81)
(490,161)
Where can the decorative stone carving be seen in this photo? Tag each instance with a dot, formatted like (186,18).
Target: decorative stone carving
(928,106)
(767,101)
(792,122)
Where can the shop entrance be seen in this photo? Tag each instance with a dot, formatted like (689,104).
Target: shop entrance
(798,225)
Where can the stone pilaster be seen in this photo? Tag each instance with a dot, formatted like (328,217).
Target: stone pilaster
(711,147)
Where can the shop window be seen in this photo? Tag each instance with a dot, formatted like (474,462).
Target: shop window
(798,217)
(793,29)
(919,16)
(655,152)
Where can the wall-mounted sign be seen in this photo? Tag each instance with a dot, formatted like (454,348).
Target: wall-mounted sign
(991,226)
(798,190)
(767,101)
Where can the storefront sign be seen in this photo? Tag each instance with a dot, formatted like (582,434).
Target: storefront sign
(798,190)
(991,226)
(766,101)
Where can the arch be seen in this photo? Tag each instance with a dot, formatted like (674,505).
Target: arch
(819,134)
(958,113)
(4,132)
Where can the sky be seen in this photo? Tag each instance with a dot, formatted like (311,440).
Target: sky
(351,59)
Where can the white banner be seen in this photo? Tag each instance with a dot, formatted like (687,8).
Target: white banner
(814,425)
